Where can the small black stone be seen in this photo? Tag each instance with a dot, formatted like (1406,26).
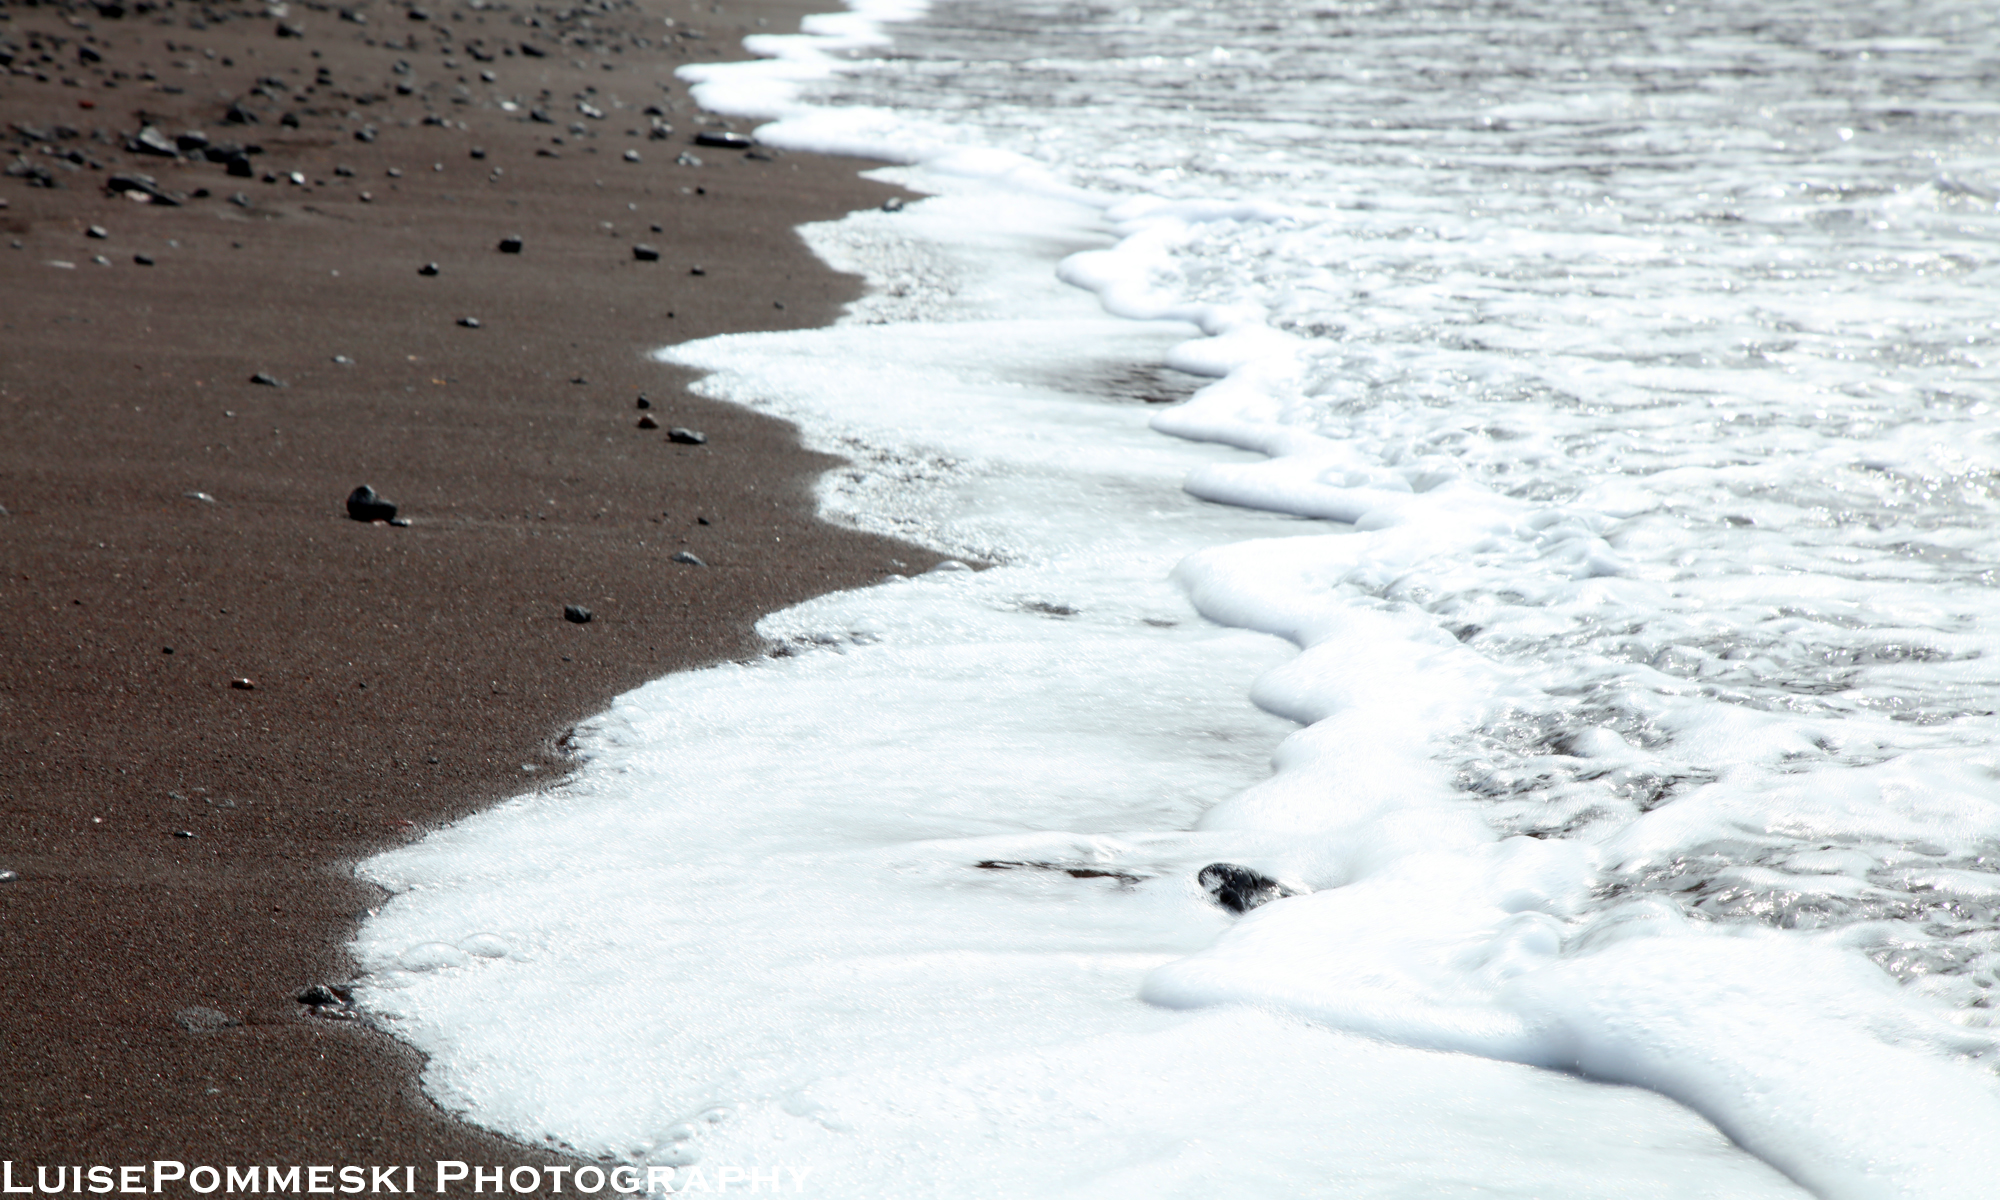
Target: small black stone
(697,270)
(687,437)
(145,185)
(645,253)
(511,244)
(646,421)
(364,505)
(96,231)
(469,322)
(1240,889)
(722,138)
(428,269)
(576,614)
(191,141)
(143,260)
(642,403)
(239,167)
(183,833)
(263,380)
(318,993)
(288,30)
(682,556)
(239,115)
(365,134)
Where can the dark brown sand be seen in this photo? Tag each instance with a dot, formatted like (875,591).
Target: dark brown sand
(172,527)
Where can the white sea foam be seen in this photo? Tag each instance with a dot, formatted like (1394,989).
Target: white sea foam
(1644,676)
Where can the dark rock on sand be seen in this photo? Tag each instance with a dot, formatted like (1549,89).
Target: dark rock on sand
(145,185)
(722,139)
(1240,889)
(264,380)
(687,437)
(642,403)
(239,115)
(144,260)
(239,167)
(150,140)
(510,244)
(98,232)
(576,614)
(319,993)
(469,322)
(8,876)
(647,422)
(428,269)
(191,141)
(200,1019)
(363,504)
(645,253)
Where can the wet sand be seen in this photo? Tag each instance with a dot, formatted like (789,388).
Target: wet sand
(217,692)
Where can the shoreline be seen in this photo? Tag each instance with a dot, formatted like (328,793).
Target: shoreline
(184,845)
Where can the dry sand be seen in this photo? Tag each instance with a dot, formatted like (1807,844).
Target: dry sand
(172,527)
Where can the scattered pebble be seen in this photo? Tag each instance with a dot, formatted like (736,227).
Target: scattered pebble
(722,138)
(631,156)
(697,270)
(645,253)
(1240,889)
(646,421)
(642,402)
(96,231)
(243,685)
(687,437)
(240,200)
(576,614)
(511,244)
(363,504)
(469,322)
(204,497)
(263,380)
(343,360)
(682,556)
(150,140)
(428,269)
(184,833)
(8,876)
(893,204)
(144,260)
(201,1019)
(478,152)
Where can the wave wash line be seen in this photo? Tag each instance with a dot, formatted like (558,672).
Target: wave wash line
(1553,803)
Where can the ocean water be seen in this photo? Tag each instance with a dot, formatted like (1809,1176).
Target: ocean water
(1523,479)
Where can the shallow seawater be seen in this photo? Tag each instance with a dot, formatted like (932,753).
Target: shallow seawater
(1577,581)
